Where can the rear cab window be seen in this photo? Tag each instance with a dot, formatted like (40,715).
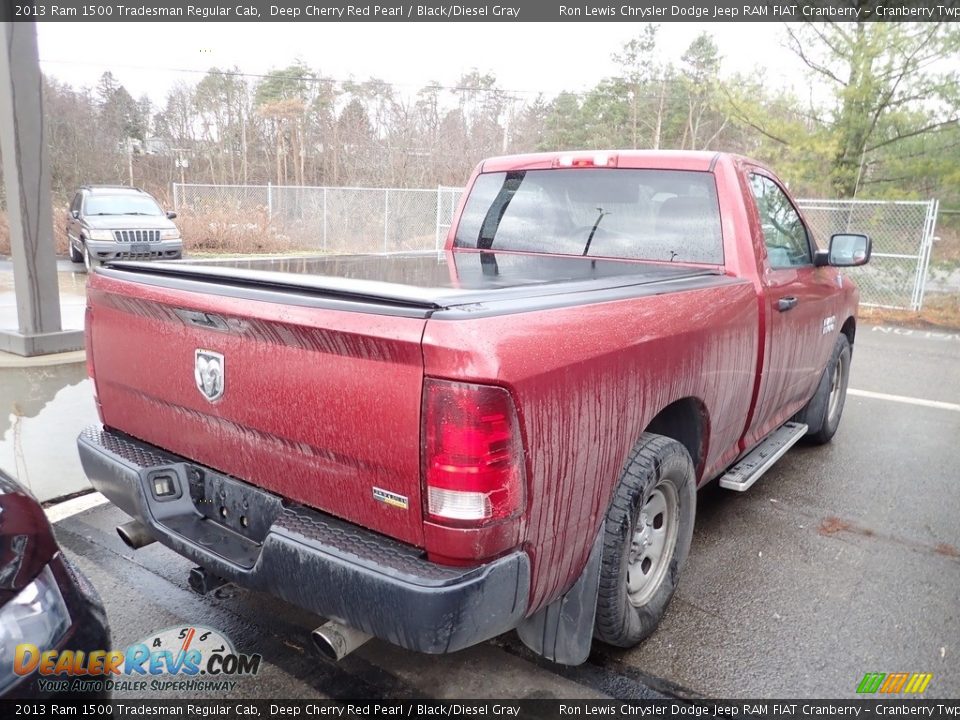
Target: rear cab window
(663,215)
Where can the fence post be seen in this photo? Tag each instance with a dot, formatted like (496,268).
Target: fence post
(386,216)
(269,200)
(173,191)
(325,219)
(436,232)
(926,249)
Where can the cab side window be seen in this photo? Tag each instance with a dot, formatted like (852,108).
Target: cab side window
(75,205)
(783,231)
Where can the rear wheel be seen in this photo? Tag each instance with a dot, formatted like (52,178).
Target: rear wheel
(647,535)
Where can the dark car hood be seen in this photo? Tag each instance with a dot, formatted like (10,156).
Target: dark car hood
(26,539)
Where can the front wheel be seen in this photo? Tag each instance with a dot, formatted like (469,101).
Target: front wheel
(647,535)
(75,255)
(822,414)
(89,261)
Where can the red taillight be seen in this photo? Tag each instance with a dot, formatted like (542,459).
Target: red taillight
(473,470)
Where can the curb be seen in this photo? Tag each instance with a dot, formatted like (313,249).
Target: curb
(9,360)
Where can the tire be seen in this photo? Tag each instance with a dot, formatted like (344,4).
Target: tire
(823,412)
(75,256)
(90,619)
(657,485)
(89,262)
(95,608)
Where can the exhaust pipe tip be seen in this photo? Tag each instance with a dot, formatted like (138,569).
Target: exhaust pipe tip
(135,535)
(335,641)
(324,645)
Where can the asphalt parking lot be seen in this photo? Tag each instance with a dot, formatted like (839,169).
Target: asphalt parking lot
(842,560)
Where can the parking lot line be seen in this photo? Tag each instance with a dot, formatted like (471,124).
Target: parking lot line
(938,404)
(74,506)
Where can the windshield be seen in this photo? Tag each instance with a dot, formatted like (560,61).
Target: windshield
(669,215)
(121,205)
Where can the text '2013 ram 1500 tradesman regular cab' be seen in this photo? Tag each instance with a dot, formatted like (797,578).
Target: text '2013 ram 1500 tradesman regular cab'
(437,448)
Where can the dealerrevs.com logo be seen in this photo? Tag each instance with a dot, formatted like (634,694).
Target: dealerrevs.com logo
(178,659)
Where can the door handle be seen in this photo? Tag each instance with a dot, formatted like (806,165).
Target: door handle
(787,303)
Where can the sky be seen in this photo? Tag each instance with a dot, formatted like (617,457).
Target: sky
(526,58)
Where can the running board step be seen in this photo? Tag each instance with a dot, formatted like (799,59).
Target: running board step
(746,472)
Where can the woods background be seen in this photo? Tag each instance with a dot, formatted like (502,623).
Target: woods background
(880,118)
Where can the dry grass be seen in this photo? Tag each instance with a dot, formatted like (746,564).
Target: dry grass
(947,250)
(939,311)
(229,232)
(211,232)
(59,232)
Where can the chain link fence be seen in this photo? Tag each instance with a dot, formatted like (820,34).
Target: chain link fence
(329,219)
(902,234)
(364,220)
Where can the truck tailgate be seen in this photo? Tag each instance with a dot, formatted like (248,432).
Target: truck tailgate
(319,405)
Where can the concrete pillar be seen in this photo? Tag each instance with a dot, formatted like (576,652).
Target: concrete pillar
(26,176)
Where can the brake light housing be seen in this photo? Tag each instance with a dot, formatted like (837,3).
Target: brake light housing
(472,456)
(600,159)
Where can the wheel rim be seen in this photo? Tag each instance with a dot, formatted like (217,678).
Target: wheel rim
(838,384)
(653,542)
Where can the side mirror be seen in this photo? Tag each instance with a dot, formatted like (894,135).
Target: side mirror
(171,214)
(846,250)
(75,214)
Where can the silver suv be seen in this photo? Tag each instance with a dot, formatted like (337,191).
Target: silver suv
(110,223)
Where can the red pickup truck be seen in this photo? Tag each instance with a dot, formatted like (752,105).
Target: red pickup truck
(437,448)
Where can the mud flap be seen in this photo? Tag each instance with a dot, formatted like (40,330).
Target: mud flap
(562,632)
(814,413)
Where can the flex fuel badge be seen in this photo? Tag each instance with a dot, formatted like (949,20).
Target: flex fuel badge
(390,498)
